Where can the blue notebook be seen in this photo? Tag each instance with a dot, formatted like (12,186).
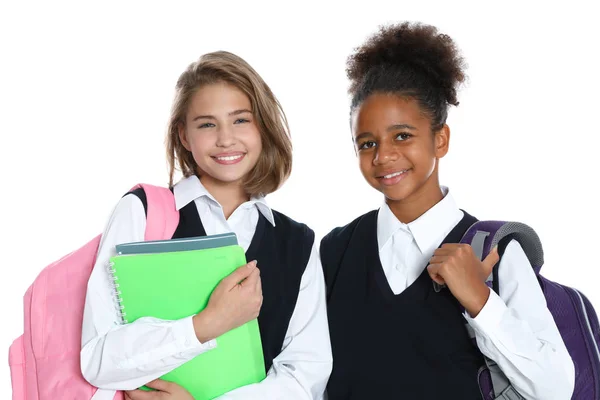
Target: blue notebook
(174,245)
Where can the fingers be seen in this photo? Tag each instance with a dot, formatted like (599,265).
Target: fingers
(452,246)
(438,259)
(162,385)
(452,255)
(259,291)
(240,274)
(491,260)
(252,279)
(433,271)
(140,395)
(437,279)
(259,284)
(435,264)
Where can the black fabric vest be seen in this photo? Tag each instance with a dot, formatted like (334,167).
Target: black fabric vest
(408,346)
(282,252)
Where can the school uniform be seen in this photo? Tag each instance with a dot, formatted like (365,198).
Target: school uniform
(394,337)
(292,320)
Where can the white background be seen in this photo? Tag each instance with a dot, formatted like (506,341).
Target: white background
(85,92)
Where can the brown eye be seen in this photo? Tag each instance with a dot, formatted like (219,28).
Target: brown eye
(366,145)
(403,136)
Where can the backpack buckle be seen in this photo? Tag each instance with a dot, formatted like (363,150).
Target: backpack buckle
(510,394)
(437,287)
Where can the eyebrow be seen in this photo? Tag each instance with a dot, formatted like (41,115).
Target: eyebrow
(389,129)
(236,112)
(401,126)
(361,136)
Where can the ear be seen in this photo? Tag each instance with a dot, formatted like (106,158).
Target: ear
(182,136)
(442,141)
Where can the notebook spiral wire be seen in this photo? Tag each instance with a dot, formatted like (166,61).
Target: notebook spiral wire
(118,300)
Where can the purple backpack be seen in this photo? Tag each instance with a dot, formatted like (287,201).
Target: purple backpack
(573,313)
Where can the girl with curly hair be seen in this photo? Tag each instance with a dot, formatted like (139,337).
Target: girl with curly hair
(398,302)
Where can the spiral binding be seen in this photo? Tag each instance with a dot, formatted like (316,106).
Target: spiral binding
(117,293)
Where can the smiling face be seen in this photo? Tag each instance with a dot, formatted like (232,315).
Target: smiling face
(397,152)
(221,133)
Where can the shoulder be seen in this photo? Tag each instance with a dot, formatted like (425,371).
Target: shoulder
(334,245)
(138,194)
(127,223)
(128,218)
(516,275)
(514,257)
(285,223)
(132,203)
(341,235)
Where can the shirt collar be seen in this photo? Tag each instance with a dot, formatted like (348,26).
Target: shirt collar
(428,230)
(189,189)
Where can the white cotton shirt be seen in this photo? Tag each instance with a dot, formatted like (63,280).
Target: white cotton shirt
(515,329)
(125,357)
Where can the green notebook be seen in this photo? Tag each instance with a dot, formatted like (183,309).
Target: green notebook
(178,284)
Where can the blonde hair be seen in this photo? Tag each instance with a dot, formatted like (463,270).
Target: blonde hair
(274,164)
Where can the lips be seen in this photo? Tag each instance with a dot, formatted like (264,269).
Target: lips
(229,158)
(390,178)
(392,174)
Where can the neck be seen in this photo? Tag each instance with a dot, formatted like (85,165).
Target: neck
(230,195)
(418,203)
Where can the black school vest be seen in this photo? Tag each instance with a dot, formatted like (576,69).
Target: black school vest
(282,252)
(408,346)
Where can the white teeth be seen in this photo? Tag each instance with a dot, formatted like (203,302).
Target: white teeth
(394,174)
(230,158)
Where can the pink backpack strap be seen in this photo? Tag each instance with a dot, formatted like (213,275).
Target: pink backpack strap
(162,217)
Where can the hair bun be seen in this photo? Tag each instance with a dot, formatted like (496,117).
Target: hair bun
(414,47)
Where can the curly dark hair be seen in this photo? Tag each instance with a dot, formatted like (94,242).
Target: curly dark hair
(411,60)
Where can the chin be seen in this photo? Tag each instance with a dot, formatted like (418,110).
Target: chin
(219,176)
(396,193)
(229,179)
(394,197)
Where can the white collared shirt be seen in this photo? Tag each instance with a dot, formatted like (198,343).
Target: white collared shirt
(515,329)
(124,357)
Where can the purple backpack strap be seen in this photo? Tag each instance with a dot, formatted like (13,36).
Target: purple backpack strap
(483,236)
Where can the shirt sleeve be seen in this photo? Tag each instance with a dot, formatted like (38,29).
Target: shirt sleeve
(119,356)
(518,332)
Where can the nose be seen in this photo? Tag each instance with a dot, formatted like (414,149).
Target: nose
(225,136)
(385,153)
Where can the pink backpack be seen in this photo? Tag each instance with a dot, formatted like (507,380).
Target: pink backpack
(44,361)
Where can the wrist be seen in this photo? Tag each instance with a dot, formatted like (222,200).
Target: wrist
(205,325)
(477,299)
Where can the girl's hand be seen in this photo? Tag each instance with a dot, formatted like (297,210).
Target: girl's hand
(236,300)
(164,391)
(457,267)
